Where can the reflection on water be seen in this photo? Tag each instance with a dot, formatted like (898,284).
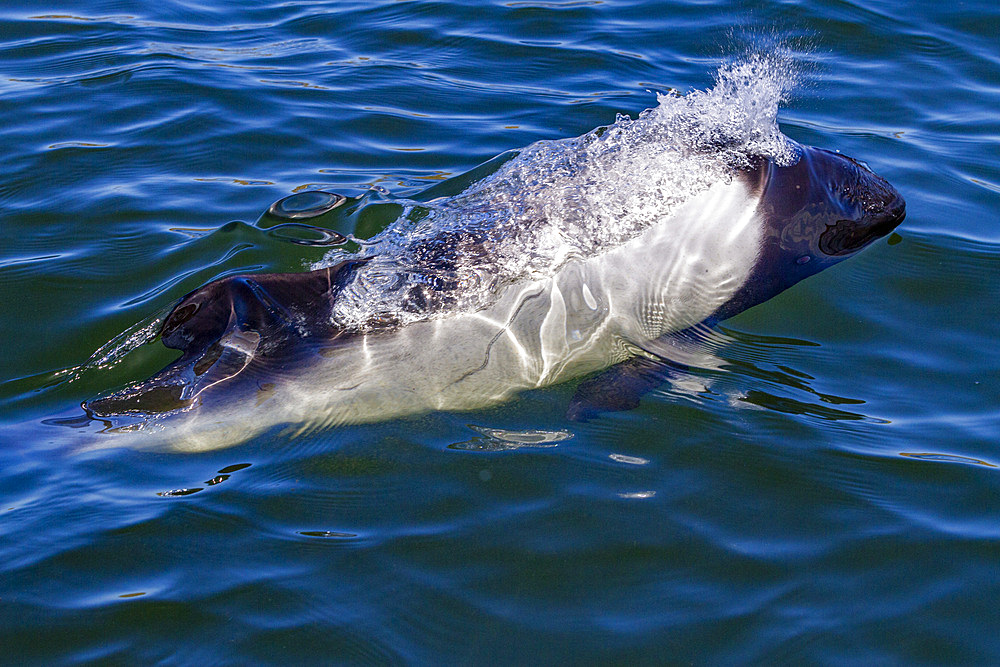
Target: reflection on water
(499,440)
(947,458)
(224,474)
(792,406)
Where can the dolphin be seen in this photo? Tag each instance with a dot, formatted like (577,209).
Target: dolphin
(266,351)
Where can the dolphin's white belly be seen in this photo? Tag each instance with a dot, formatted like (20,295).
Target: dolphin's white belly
(589,315)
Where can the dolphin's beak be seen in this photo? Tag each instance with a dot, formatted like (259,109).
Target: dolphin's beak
(848,236)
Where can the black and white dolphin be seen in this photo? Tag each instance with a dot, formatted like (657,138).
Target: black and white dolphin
(262,351)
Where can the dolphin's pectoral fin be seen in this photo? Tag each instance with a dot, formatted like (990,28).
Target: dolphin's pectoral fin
(221,328)
(676,358)
(618,388)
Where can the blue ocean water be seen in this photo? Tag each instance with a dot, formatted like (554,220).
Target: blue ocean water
(832,498)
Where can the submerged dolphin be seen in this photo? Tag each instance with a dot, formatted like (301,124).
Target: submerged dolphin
(260,351)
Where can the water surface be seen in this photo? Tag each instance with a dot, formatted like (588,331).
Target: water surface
(831,497)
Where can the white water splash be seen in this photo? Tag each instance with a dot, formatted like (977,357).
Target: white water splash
(568,199)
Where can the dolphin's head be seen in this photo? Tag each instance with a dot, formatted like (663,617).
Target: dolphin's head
(814,213)
(827,206)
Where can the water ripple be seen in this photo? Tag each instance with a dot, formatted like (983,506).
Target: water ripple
(848,517)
